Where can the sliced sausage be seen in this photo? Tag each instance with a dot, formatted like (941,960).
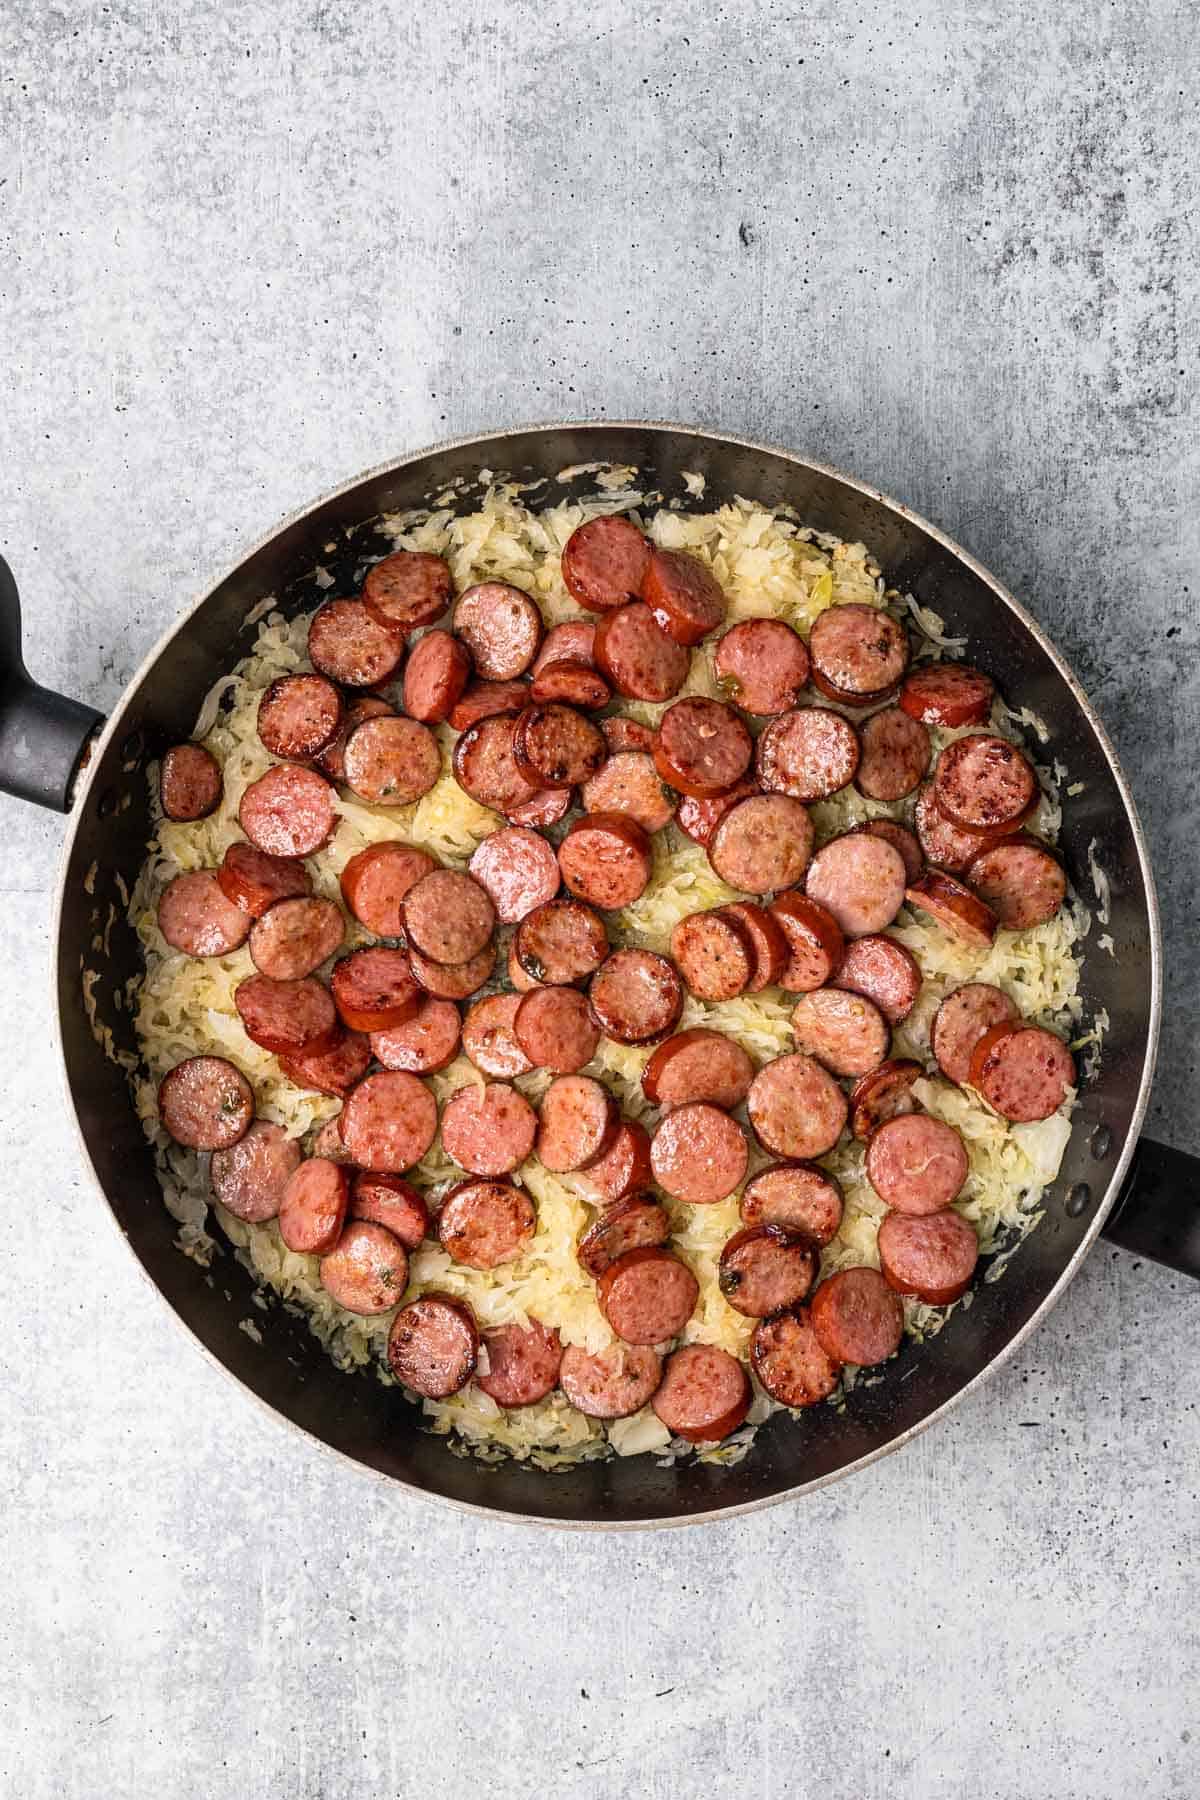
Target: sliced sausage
(195,916)
(489,1038)
(704,1395)
(797,1197)
(523,1363)
(762,844)
(621,733)
(423,1044)
(312,1208)
(433,1346)
(205,1103)
(860,652)
(578,1123)
(500,626)
(637,996)
(857,1318)
(439,667)
(453,981)
(714,955)
(796,1108)
(375,881)
(638,657)
(633,1224)
(572,684)
(367,1269)
(327,1141)
(860,880)
(518,869)
(683,595)
(960,1022)
(884,1093)
(351,647)
(1022,1071)
(555,1028)
(249,1177)
(557,747)
(604,561)
(606,860)
(790,1360)
(764,1269)
(488,1130)
(392,1202)
(916,1164)
(332,759)
(1020,880)
(288,811)
(574,642)
(388,1122)
(809,754)
(954,907)
(611,1384)
(486,1223)
(901,839)
(647,1295)
(883,971)
(844,1031)
(288,1017)
(984,782)
(332,1071)
(518,979)
(699,1154)
(485,765)
(814,941)
(392,761)
(546,808)
(702,747)
(254,880)
(407,589)
(561,942)
(624,1168)
(448,916)
(762,665)
(769,947)
(374,989)
(189,782)
(630,783)
(947,694)
(945,845)
(698,819)
(488,700)
(298,716)
(933,1258)
(698,1065)
(295,937)
(895,755)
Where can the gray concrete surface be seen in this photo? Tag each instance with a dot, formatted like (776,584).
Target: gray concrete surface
(247,251)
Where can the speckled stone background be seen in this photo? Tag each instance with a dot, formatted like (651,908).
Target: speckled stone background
(249,250)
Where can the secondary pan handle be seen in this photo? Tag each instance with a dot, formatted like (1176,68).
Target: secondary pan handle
(44,737)
(1158,1212)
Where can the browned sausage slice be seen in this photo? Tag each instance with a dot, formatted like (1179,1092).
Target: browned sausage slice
(714,955)
(254,881)
(815,943)
(611,1384)
(488,1130)
(762,844)
(621,733)
(796,1108)
(549,807)
(571,684)
(798,1197)
(764,1269)
(944,844)
(983,783)
(388,1122)
(637,996)
(845,1031)
(954,907)
(857,1318)
(312,1208)
(700,818)
(561,942)
(809,754)
(489,1039)
(768,945)
(327,1141)
(555,1028)
(392,761)
(574,642)
(189,782)
(638,657)
(296,937)
(332,760)
(630,783)
(288,1017)
(486,1223)
(895,755)
(884,1093)
(791,1361)
(702,747)
(901,839)
(350,647)
(423,1044)
(433,1346)
(375,881)
(392,1202)
(932,1258)
(298,716)
(683,594)
(407,589)
(860,880)
(1020,880)
(698,1154)
(453,981)
(762,664)
(947,694)
(624,1168)
(604,561)
(488,700)
(288,811)
(205,1103)
(374,989)
(367,1270)
(556,747)
(1023,1071)
(500,626)
(519,870)
(606,860)
(332,1071)
(633,1224)
(885,972)
(647,1295)
(698,1065)
(439,667)
(195,916)
(916,1164)
(485,765)
(578,1123)
(448,916)
(860,651)
(705,1394)
(960,1022)
(249,1177)
(523,1363)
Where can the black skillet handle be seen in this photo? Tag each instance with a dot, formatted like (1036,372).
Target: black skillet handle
(43,736)
(1158,1213)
